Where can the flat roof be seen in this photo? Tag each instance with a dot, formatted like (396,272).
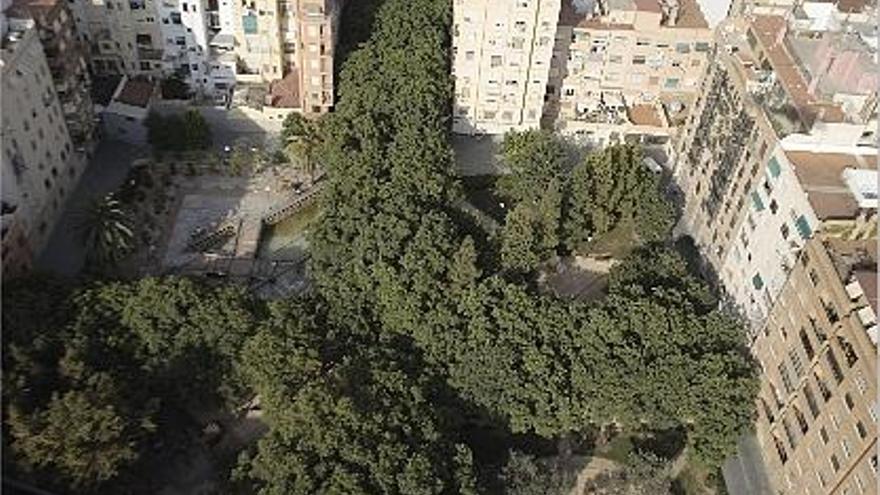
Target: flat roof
(689,15)
(136,93)
(770,31)
(821,176)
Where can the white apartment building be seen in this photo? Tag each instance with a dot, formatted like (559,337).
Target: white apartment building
(40,167)
(501,63)
(627,70)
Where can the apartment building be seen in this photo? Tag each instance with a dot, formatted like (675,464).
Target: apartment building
(291,44)
(40,165)
(108,27)
(66,56)
(627,70)
(501,63)
(817,408)
(749,204)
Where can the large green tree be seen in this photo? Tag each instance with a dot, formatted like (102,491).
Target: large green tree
(346,419)
(610,187)
(91,375)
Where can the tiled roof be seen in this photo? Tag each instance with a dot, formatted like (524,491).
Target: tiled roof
(821,176)
(284,93)
(645,115)
(136,93)
(770,31)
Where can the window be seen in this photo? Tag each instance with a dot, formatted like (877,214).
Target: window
(786,378)
(780,449)
(860,429)
(849,401)
(835,464)
(469,55)
(180,41)
(783,229)
(848,351)
(701,46)
(638,60)
(820,333)
(811,401)
(495,61)
(823,433)
(758,282)
(671,83)
(789,433)
(683,47)
(803,227)
(801,420)
(175,17)
(834,365)
(847,450)
(806,344)
(774,206)
(773,167)
(796,362)
(756,201)
(249,24)
(823,387)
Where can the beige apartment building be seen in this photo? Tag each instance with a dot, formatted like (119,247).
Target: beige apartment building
(817,408)
(745,199)
(66,55)
(290,43)
(501,63)
(627,70)
(40,166)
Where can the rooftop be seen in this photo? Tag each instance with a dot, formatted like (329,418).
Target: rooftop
(136,93)
(284,93)
(33,7)
(689,14)
(822,177)
(645,115)
(770,33)
(856,260)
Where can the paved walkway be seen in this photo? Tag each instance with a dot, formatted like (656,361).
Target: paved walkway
(477,155)
(595,467)
(64,253)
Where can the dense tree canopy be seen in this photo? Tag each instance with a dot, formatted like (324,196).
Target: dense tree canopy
(368,383)
(89,375)
(174,132)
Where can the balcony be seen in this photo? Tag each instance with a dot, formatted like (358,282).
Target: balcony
(145,53)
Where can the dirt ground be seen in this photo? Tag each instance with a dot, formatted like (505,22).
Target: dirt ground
(579,277)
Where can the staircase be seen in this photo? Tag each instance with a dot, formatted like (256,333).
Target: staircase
(283,210)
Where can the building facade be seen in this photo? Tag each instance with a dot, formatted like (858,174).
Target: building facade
(289,41)
(501,63)
(627,70)
(40,164)
(66,56)
(817,408)
(756,159)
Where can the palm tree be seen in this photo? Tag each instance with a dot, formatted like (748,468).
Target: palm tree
(104,227)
